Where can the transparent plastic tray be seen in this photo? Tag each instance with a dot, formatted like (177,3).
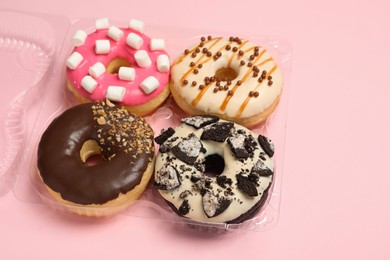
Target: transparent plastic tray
(37,46)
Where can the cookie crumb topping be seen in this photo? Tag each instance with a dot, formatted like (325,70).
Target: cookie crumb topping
(188,149)
(167,178)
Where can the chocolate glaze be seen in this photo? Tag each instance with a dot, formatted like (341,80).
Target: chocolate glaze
(62,169)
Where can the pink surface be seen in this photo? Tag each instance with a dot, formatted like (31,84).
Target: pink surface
(335,182)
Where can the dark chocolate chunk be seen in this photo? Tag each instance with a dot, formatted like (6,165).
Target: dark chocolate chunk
(254,177)
(164,136)
(184,208)
(261,169)
(237,146)
(246,185)
(213,205)
(188,149)
(185,194)
(217,132)
(223,181)
(195,178)
(267,145)
(167,178)
(199,121)
(250,144)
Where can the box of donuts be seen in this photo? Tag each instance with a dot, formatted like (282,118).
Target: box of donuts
(104,117)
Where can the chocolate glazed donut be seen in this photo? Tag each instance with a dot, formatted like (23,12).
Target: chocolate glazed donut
(124,141)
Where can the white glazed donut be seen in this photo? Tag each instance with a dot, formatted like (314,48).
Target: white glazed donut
(233,79)
(120,64)
(212,170)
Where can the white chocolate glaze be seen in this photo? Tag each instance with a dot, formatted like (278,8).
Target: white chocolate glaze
(240,203)
(241,104)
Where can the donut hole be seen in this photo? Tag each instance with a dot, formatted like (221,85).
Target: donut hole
(226,74)
(115,64)
(90,153)
(214,165)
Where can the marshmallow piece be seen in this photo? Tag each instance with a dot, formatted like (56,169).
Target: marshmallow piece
(115,33)
(115,93)
(102,23)
(102,46)
(88,83)
(134,41)
(79,38)
(149,84)
(74,60)
(126,73)
(96,70)
(142,59)
(163,63)
(137,25)
(157,44)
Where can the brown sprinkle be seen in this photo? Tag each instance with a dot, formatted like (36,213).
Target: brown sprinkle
(241,52)
(197,50)
(234,49)
(226,87)
(251,93)
(192,64)
(256,94)
(196,71)
(209,37)
(193,55)
(185,82)
(260,79)
(242,62)
(202,39)
(270,83)
(186,51)
(209,54)
(239,83)
(250,64)
(269,77)
(220,87)
(194,83)
(201,87)
(231,38)
(255,74)
(230,92)
(204,50)
(228,47)
(215,90)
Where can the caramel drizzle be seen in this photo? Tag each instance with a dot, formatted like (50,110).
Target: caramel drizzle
(196,100)
(200,94)
(245,103)
(227,98)
(235,53)
(191,51)
(200,60)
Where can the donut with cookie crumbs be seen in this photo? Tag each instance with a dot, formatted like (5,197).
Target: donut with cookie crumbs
(212,170)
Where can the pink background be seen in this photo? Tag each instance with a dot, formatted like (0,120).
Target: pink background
(335,194)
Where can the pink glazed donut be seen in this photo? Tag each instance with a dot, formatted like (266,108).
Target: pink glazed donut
(120,64)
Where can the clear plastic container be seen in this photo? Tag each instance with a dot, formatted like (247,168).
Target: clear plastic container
(33,50)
